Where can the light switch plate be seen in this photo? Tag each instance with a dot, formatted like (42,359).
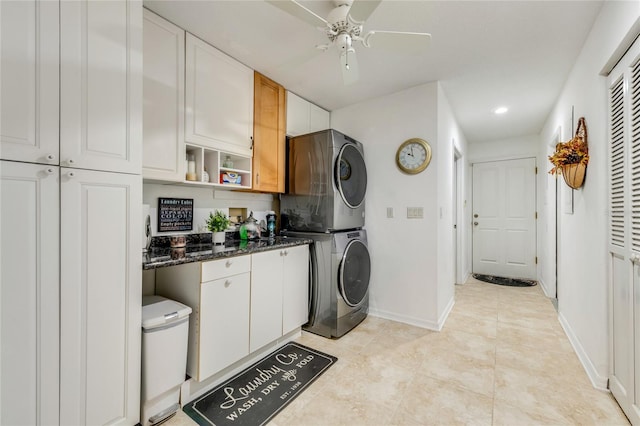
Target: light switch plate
(415,212)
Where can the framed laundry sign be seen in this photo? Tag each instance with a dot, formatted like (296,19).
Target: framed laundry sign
(175,214)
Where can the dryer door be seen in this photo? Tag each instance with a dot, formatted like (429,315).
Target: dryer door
(354,274)
(350,176)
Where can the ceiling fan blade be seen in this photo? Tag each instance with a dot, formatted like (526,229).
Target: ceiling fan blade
(349,66)
(362,9)
(398,41)
(294,8)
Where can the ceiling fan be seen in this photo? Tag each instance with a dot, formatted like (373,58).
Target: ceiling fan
(344,25)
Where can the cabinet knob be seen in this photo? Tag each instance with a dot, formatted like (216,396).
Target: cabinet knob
(228,264)
(71,174)
(51,157)
(227,283)
(71,161)
(50,171)
(475,223)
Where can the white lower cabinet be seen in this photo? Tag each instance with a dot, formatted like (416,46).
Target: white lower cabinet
(29,294)
(279,293)
(100,297)
(218,293)
(295,288)
(240,304)
(70,296)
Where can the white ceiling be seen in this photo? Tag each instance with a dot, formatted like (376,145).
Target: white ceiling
(484,53)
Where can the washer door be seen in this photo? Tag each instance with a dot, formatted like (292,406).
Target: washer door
(351,176)
(354,274)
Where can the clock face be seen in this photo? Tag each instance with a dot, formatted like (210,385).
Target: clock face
(413,156)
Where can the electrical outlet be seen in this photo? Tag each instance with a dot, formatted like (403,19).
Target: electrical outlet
(415,212)
(389,212)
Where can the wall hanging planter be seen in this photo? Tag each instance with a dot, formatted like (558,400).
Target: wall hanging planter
(571,157)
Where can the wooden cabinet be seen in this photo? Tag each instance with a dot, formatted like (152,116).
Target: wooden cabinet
(304,117)
(269,135)
(279,293)
(163,151)
(219,99)
(101,85)
(29,78)
(100,303)
(295,288)
(218,292)
(29,295)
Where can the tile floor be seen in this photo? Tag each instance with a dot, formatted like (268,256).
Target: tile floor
(501,359)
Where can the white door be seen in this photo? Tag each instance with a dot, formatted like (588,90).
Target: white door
(101,85)
(624,233)
(100,297)
(29,294)
(29,81)
(295,297)
(504,218)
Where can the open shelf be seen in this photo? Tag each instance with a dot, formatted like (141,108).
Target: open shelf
(212,161)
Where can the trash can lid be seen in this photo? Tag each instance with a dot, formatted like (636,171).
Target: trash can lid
(158,311)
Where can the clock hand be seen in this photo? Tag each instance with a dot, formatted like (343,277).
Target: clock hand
(411,153)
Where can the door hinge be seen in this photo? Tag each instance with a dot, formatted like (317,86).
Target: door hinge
(536,215)
(536,169)
(536,260)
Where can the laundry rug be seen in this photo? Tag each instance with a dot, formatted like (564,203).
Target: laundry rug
(513,282)
(258,393)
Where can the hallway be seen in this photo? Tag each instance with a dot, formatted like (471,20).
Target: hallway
(501,359)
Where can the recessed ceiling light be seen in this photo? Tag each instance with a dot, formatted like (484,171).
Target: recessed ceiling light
(500,110)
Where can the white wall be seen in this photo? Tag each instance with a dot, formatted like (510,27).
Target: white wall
(405,253)
(582,240)
(504,149)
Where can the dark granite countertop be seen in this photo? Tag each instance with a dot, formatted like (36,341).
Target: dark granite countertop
(159,257)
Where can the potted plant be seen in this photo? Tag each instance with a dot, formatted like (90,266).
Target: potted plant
(571,158)
(217,223)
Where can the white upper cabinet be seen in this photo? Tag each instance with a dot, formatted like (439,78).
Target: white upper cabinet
(219,99)
(163,94)
(29,80)
(304,117)
(101,85)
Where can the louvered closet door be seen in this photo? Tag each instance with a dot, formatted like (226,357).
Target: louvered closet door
(624,232)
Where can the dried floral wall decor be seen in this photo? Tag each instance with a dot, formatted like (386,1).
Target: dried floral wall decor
(571,157)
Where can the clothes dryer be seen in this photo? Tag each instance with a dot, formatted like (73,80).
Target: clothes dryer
(326,183)
(339,281)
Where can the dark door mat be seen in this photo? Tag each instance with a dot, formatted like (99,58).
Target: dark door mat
(258,393)
(512,282)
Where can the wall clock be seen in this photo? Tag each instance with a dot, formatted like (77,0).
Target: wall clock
(413,156)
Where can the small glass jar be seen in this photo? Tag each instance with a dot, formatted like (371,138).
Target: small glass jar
(228,163)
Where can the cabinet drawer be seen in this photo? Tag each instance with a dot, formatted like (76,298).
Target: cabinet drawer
(221,268)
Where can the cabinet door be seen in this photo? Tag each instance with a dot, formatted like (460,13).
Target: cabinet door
(295,297)
(319,119)
(297,115)
(266,298)
(219,99)
(224,323)
(29,79)
(163,96)
(101,298)
(269,135)
(29,295)
(101,85)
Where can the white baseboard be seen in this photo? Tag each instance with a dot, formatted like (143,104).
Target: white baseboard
(598,381)
(418,322)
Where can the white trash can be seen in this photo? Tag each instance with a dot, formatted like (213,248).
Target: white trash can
(165,333)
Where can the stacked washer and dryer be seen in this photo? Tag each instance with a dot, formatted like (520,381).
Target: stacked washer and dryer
(324,201)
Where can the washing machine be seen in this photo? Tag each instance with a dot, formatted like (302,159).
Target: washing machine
(339,281)
(326,183)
